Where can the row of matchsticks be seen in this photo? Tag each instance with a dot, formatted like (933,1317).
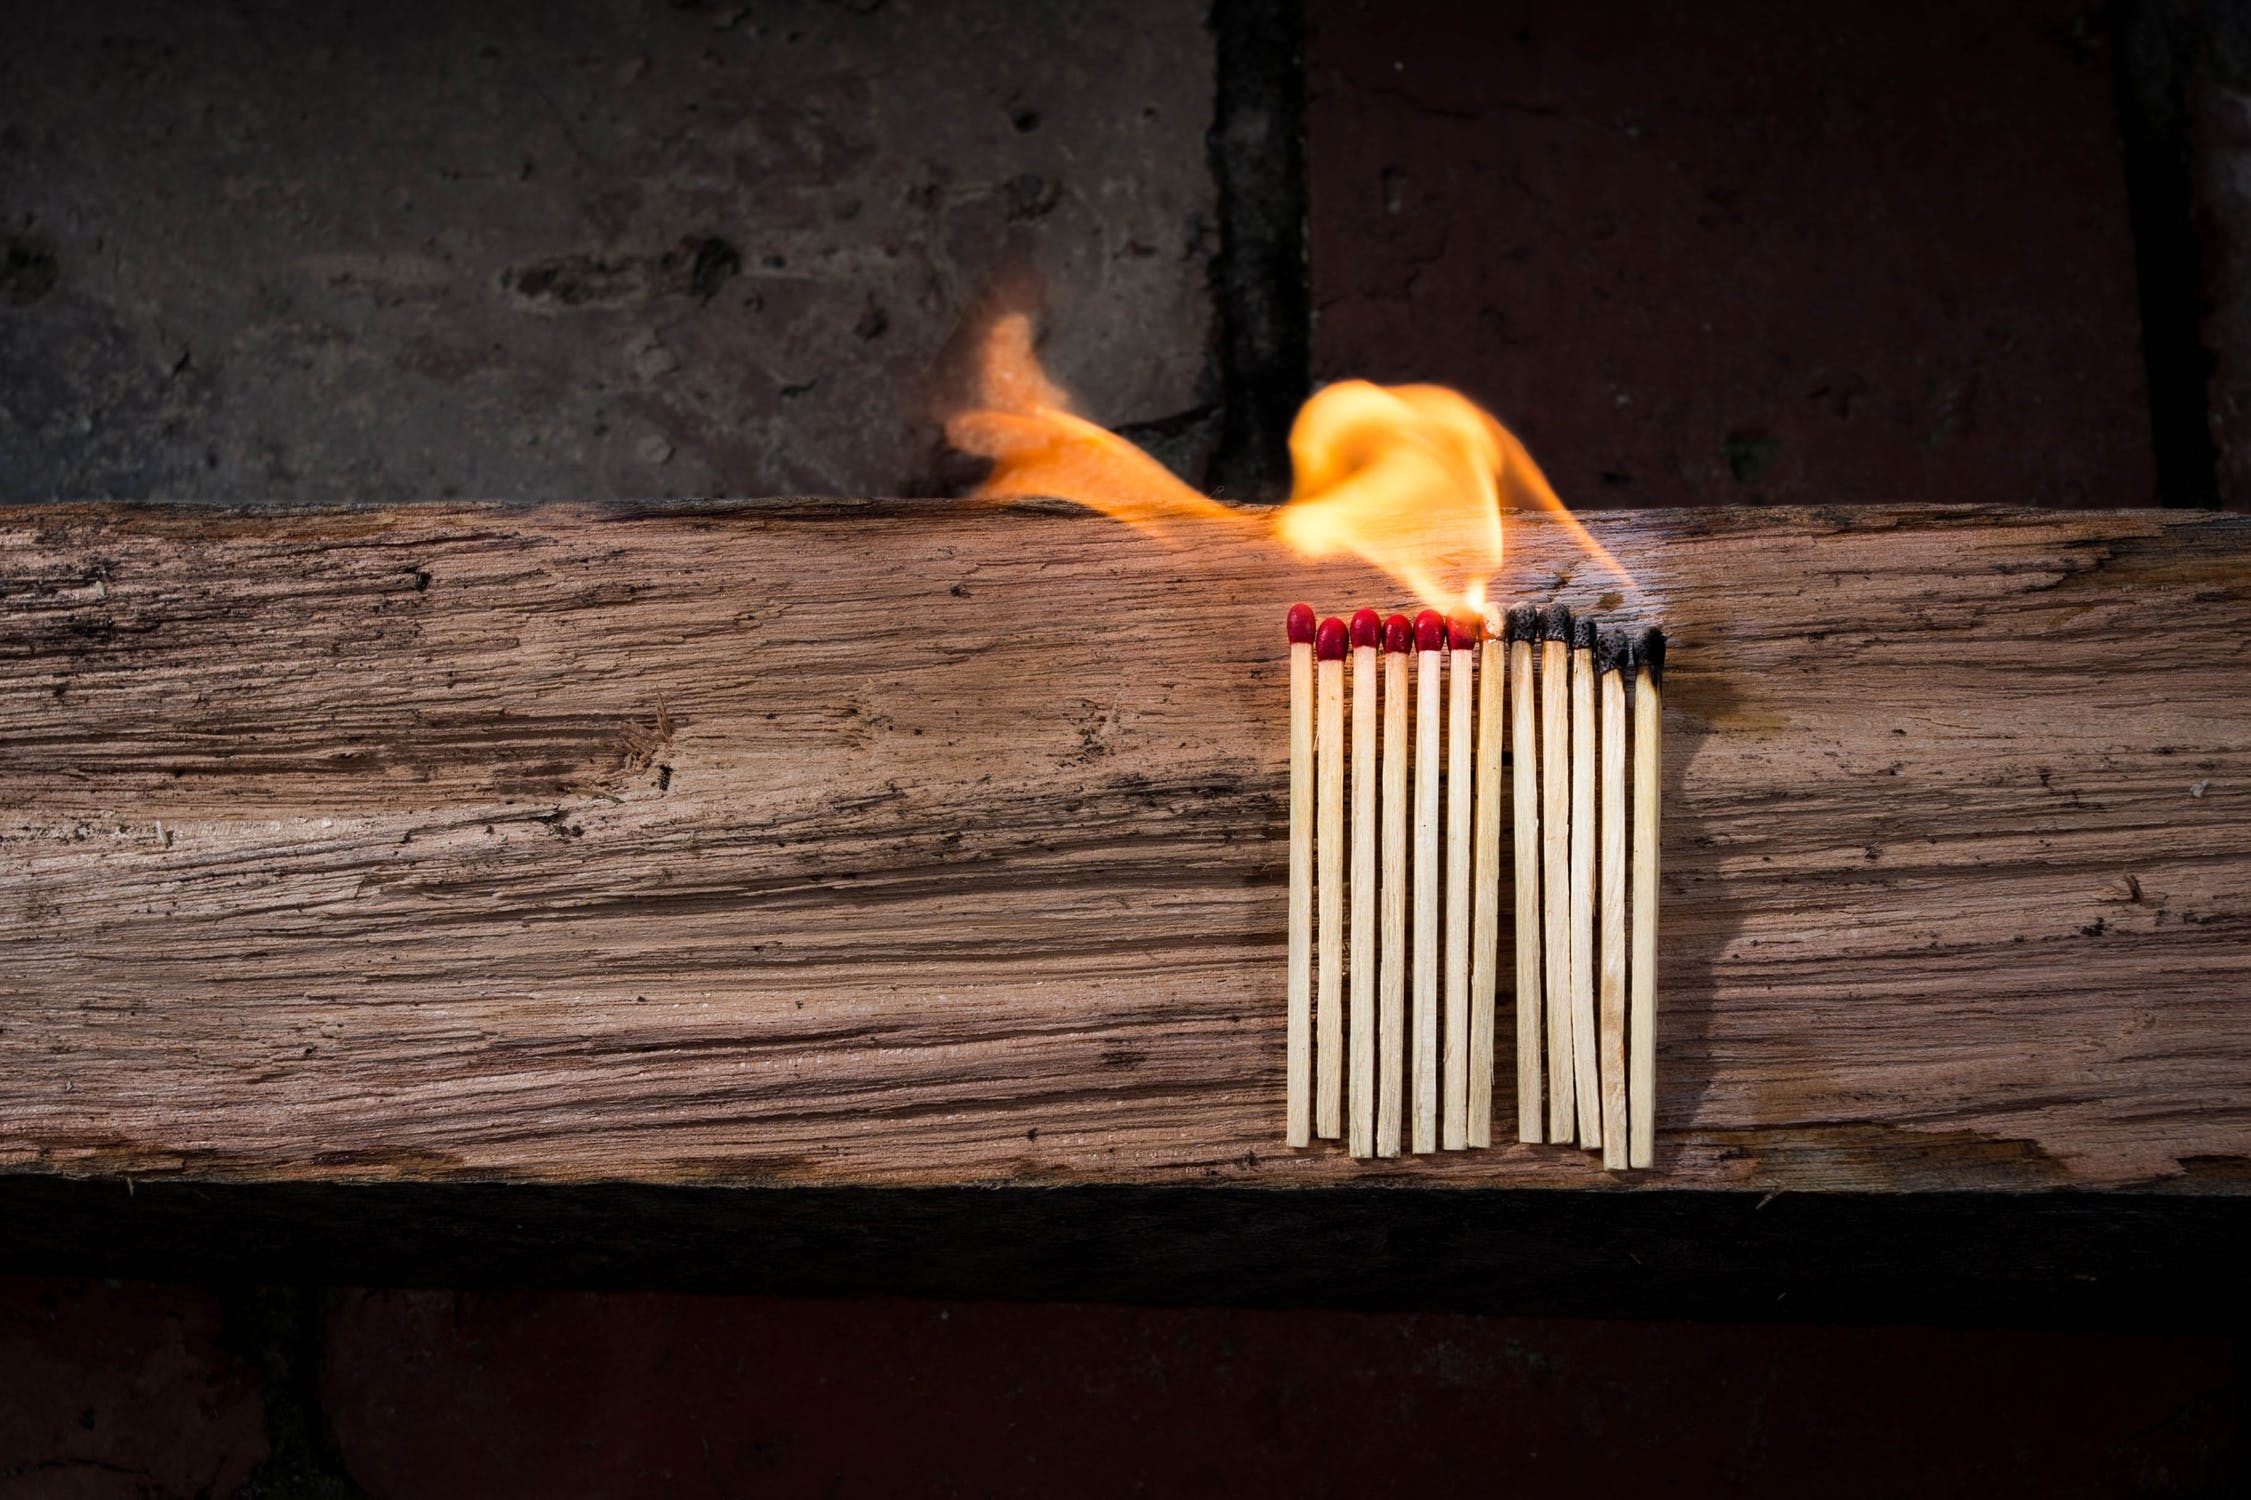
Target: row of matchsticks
(1586,969)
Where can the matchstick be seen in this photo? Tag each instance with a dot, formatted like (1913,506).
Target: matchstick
(1328,885)
(1300,1047)
(1555,863)
(1430,642)
(1523,629)
(1485,933)
(1584,1038)
(1360,1070)
(1611,651)
(1461,779)
(1641,1064)
(1391,1014)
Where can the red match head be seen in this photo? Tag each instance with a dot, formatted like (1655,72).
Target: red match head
(1398,633)
(1462,629)
(1367,629)
(1430,631)
(1328,644)
(1300,624)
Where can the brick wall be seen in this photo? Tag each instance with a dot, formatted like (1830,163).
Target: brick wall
(1744,251)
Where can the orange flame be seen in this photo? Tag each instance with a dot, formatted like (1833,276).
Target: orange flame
(1404,476)
(1023,422)
(1409,478)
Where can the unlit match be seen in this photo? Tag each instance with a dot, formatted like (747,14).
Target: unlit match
(1461,655)
(1391,982)
(1328,883)
(1485,920)
(1360,1113)
(1393,1012)
(1430,644)
(1300,1056)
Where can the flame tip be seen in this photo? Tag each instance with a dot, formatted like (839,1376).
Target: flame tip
(1408,478)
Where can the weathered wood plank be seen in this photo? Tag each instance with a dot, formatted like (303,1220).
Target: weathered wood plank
(916,844)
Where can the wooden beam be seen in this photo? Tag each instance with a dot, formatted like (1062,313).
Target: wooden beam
(920,844)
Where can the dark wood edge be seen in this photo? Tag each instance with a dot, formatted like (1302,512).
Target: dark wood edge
(2120,1260)
(1694,520)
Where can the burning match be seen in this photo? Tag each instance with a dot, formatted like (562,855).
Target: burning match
(1641,1063)
(1392,1009)
(1523,629)
(1583,1037)
(1555,865)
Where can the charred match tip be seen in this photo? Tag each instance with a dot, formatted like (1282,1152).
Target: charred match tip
(1613,651)
(1462,630)
(1328,644)
(1398,633)
(1524,623)
(1555,623)
(1649,653)
(1367,630)
(1300,624)
(1584,633)
(1430,631)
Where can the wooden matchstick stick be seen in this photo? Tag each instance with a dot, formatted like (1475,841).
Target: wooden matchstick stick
(1360,1068)
(1461,780)
(1328,886)
(1584,1036)
(1611,652)
(1430,643)
(1649,759)
(1485,932)
(1555,864)
(1523,629)
(1299,1053)
(1391,1012)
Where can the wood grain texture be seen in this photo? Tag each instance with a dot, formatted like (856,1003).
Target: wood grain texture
(919,844)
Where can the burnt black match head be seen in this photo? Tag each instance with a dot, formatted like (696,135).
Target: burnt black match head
(1524,623)
(1649,654)
(1555,623)
(1584,633)
(1613,651)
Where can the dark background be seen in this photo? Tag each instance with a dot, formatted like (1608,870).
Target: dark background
(1720,253)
